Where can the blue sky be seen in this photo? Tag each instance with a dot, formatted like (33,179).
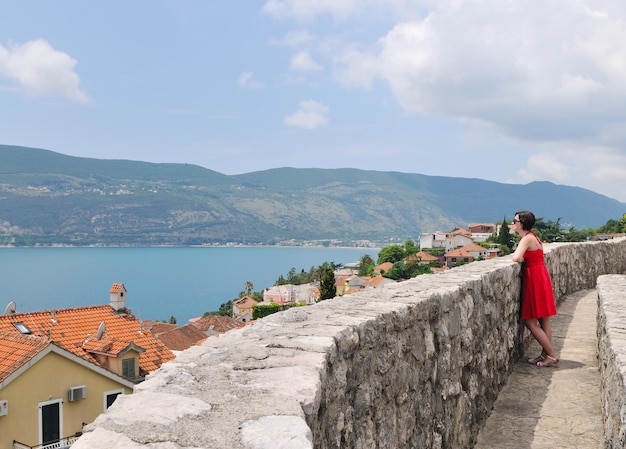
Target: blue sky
(509,91)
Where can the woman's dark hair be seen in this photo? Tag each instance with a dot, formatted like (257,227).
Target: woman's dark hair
(527,219)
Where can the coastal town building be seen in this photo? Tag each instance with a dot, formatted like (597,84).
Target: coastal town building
(476,232)
(242,309)
(292,294)
(61,368)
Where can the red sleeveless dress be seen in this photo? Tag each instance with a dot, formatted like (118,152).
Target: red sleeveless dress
(537,294)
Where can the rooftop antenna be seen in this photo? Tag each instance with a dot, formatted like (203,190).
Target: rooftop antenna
(10,308)
(101,330)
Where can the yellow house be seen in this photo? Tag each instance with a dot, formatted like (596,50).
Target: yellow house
(59,369)
(48,393)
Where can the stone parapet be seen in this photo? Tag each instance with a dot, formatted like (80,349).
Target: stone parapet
(611,333)
(414,364)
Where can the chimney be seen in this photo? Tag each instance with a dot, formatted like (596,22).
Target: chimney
(118,297)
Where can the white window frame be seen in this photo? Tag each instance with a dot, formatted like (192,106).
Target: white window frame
(39,413)
(109,393)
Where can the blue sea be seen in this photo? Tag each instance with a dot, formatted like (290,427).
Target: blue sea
(160,282)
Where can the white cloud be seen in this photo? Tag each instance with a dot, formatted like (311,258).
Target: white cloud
(544,166)
(40,70)
(537,71)
(600,169)
(310,114)
(247,81)
(303,62)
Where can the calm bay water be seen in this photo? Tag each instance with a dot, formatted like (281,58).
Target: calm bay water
(161,282)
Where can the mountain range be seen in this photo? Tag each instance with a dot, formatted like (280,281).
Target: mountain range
(49,198)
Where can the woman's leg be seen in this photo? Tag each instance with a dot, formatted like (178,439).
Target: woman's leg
(543,334)
(547,327)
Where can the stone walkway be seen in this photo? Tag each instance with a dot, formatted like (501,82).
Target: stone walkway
(553,408)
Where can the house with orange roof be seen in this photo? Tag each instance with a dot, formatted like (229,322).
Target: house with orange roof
(378,282)
(213,324)
(179,338)
(421,257)
(476,250)
(345,284)
(60,369)
(242,309)
(457,256)
(383,268)
(450,240)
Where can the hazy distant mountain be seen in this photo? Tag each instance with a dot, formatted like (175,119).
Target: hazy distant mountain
(48,198)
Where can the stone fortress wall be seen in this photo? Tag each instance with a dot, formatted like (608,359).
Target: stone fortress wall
(414,364)
(611,330)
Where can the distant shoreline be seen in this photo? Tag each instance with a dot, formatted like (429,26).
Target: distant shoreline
(374,248)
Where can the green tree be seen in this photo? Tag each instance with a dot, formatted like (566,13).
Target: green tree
(226,309)
(249,287)
(366,265)
(172,319)
(328,289)
(410,248)
(391,253)
(548,231)
(505,235)
(614,226)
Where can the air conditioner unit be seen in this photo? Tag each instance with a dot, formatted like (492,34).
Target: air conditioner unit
(4,407)
(77,393)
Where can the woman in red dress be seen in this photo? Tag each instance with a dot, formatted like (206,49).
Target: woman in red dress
(537,296)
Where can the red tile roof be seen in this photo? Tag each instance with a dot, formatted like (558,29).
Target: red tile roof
(245,303)
(384,266)
(421,256)
(17,349)
(376,280)
(459,252)
(217,324)
(76,329)
(474,247)
(116,288)
(181,338)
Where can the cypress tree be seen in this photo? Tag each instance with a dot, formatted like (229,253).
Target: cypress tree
(328,289)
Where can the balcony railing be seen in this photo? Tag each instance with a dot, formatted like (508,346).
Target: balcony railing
(63,443)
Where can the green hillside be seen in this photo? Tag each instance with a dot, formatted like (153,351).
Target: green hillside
(50,198)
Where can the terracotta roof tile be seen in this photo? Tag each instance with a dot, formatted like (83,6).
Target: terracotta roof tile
(459,252)
(384,266)
(75,329)
(245,303)
(117,287)
(159,328)
(181,338)
(17,349)
(474,247)
(377,280)
(421,256)
(218,324)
